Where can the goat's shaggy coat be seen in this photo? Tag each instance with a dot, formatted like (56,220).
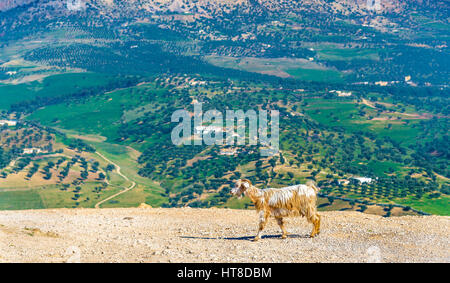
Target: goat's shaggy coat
(298,200)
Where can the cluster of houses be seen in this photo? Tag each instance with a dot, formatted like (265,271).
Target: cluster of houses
(199,130)
(195,82)
(342,93)
(26,151)
(32,150)
(407,80)
(362,180)
(228,151)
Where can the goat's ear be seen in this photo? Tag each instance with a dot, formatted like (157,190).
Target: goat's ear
(246,185)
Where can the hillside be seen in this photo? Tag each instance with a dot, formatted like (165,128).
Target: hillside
(362,93)
(215,235)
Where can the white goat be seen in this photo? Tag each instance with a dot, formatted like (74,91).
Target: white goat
(297,200)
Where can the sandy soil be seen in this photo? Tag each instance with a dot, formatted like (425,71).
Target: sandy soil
(215,235)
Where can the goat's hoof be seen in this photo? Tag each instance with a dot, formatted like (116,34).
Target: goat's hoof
(283,236)
(312,235)
(255,239)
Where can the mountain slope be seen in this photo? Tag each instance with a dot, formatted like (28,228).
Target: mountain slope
(362,92)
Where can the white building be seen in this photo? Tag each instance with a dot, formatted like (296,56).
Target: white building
(342,93)
(363,180)
(207,129)
(343,182)
(31,150)
(224,151)
(10,123)
(382,83)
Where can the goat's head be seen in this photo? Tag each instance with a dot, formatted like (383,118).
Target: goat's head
(241,186)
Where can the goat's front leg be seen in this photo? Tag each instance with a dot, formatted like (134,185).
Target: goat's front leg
(315,220)
(263,218)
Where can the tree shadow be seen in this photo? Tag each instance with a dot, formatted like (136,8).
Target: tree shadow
(345,208)
(323,205)
(248,238)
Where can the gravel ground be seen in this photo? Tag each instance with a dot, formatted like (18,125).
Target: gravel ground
(215,235)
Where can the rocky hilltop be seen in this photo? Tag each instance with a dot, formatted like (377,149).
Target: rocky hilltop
(215,235)
(219,6)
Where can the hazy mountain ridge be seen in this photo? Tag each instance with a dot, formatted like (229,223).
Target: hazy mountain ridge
(208,7)
(107,12)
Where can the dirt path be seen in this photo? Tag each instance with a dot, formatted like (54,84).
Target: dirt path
(423,116)
(368,103)
(215,235)
(133,184)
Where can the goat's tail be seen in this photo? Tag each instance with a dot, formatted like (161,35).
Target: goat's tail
(313,185)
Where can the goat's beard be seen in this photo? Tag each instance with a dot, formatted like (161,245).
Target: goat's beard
(237,193)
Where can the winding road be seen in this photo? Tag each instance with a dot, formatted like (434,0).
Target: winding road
(133,184)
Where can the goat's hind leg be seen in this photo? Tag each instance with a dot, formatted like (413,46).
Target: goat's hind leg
(281,224)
